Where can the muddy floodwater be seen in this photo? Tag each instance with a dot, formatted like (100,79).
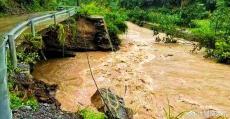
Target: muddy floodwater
(149,76)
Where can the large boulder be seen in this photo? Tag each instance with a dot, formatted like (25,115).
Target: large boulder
(111,104)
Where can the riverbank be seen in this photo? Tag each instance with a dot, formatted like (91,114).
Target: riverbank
(45,111)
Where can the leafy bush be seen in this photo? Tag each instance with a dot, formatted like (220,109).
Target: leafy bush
(32,102)
(137,16)
(220,25)
(90,114)
(115,18)
(61,34)
(159,16)
(204,32)
(166,21)
(222,50)
(221,21)
(194,11)
(28,50)
(116,22)
(29,58)
(17,102)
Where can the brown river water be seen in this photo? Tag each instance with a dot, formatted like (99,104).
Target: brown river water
(149,76)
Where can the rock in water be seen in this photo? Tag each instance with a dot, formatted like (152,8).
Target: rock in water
(113,105)
(169,39)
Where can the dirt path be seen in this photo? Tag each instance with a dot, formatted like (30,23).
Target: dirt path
(147,75)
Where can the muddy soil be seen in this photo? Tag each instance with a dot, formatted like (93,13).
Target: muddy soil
(148,75)
(48,108)
(81,33)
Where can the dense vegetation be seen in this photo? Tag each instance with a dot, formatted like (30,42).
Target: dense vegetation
(25,6)
(114,16)
(205,21)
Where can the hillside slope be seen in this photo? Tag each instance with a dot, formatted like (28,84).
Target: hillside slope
(25,6)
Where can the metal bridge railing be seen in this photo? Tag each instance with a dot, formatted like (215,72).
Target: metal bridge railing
(9,40)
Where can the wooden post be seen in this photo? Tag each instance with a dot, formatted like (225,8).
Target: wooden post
(12,50)
(33,28)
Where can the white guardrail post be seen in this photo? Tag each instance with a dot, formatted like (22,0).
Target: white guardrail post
(69,13)
(13,54)
(55,18)
(33,28)
(5,111)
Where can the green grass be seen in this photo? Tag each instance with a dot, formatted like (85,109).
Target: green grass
(162,18)
(203,27)
(169,113)
(90,114)
(114,17)
(17,102)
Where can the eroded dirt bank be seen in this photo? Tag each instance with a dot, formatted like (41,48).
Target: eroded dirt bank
(146,74)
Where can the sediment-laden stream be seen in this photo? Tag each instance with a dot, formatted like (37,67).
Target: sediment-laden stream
(149,76)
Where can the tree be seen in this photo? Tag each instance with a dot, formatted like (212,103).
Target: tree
(221,21)
(221,25)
